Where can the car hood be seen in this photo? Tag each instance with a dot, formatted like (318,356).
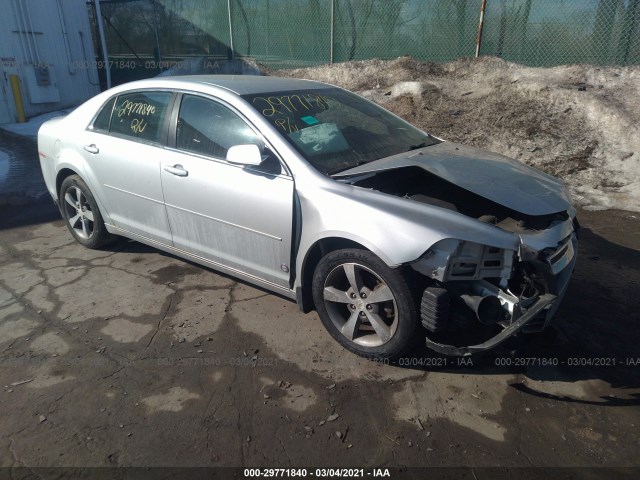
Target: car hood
(490,175)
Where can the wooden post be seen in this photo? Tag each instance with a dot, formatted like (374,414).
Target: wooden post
(480,27)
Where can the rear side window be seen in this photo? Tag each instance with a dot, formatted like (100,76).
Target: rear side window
(101,123)
(140,115)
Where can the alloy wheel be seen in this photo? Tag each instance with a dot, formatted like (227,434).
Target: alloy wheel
(79,214)
(360,304)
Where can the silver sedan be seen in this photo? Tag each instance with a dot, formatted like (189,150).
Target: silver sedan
(391,234)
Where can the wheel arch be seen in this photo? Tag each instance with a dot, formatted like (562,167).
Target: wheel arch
(62,174)
(313,255)
(92,236)
(66,171)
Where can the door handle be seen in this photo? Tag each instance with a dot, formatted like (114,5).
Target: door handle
(177,170)
(91,148)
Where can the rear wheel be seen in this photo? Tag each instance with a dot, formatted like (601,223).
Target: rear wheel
(365,305)
(81,214)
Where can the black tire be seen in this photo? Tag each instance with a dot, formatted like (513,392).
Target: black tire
(87,227)
(400,315)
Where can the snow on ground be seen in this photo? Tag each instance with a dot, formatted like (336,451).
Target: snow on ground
(577,122)
(30,127)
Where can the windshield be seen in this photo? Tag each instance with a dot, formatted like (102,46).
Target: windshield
(336,130)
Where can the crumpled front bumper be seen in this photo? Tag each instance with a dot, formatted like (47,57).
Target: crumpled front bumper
(556,270)
(531,313)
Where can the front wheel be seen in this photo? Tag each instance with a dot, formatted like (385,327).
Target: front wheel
(81,214)
(365,305)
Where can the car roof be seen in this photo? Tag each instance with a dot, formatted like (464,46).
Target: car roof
(243,84)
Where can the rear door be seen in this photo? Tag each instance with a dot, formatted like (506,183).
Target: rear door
(124,149)
(239,217)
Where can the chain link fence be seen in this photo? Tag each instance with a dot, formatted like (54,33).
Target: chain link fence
(295,33)
(555,32)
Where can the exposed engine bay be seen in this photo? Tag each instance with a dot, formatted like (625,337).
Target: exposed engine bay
(417,184)
(475,296)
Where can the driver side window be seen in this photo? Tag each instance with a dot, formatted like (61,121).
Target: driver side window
(209,128)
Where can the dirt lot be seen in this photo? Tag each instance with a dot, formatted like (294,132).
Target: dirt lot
(129,356)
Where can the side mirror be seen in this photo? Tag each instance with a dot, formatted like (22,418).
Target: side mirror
(244,155)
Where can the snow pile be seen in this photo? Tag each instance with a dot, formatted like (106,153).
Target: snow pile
(578,122)
(31,127)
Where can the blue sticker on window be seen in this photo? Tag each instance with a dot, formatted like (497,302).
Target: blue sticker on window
(309,120)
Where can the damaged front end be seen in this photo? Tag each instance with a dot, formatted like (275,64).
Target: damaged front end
(479,295)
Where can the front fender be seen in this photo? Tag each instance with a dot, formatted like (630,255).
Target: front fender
(395,229)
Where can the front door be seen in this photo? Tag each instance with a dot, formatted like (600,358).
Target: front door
(239,217)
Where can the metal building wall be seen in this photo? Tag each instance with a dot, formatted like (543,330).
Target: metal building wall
(55,35)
